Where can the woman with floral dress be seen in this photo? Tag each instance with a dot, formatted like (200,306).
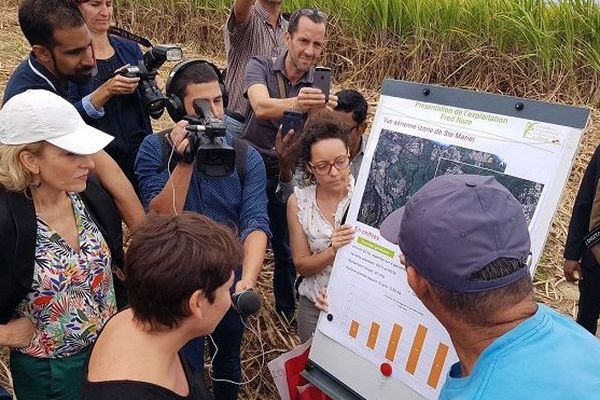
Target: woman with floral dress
(59,237)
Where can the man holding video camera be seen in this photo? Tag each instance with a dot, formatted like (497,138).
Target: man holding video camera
(193,167)
(61,52)
(274,87)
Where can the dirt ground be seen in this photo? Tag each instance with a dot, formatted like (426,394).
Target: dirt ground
(550,286)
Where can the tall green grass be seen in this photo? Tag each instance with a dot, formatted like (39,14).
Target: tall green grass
(546,41)
(557,34)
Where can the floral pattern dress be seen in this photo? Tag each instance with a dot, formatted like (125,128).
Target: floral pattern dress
(72,294)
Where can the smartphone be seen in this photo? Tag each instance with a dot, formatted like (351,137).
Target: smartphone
(323,80)
(291,120)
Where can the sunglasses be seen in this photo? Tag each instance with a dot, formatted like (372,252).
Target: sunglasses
(310,12)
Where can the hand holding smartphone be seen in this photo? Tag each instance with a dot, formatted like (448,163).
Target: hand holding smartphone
(323,81)
(291,120)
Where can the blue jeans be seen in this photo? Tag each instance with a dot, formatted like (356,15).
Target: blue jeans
(284,275)
(234,126)
(227,364)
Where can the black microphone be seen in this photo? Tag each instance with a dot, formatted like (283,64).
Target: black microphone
(246,302)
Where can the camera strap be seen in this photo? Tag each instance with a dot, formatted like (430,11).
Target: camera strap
(281,85)
(128,35)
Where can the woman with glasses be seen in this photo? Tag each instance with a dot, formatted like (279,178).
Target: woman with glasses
(125,116)
(315,213)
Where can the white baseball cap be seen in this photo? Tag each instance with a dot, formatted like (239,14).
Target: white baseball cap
(37,114)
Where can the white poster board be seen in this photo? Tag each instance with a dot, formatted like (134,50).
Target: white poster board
(419,132)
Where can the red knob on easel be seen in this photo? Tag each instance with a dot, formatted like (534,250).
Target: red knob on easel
(386,369)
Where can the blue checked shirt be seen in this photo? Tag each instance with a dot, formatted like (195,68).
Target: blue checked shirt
(223,199)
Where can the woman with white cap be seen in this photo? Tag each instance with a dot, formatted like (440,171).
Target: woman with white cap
(60,235)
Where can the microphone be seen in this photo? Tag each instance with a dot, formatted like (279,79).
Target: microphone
(246,302)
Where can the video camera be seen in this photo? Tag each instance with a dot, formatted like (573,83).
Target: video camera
(147,68)
(206,136)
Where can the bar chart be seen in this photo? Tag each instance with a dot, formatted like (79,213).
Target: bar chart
(393,343)
(414,349)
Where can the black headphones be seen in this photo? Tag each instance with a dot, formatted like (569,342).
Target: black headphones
(174,104)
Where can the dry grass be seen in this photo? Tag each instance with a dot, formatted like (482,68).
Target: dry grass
(363,67)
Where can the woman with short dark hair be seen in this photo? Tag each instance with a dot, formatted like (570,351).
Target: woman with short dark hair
(179,271)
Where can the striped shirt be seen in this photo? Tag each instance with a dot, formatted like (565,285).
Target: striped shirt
(255,37)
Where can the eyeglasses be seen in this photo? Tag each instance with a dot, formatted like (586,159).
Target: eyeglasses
(340,163)
(353,127)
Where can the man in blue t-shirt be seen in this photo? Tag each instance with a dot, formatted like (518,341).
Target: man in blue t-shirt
(171,181)
(465,244)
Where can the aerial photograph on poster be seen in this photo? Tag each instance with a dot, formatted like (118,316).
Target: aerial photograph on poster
(403,163)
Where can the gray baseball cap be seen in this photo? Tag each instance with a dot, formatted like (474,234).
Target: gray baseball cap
(457,224)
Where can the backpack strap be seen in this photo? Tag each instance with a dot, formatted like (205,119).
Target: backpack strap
(241,156)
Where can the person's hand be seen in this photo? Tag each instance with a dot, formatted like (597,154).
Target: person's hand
(332,102)
(120,85)
(322,300)
(244,284)
(284,148)
(310,98)
(342,236)
(178,136)
(572,270)
(19,332)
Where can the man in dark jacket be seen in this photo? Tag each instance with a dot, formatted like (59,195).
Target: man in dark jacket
(580,263)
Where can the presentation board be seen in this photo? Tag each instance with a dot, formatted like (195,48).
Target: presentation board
(378,341)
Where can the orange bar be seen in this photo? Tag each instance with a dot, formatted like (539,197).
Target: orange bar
(438,365)
(354,329)
(394,341)
(415,351)
(372,340)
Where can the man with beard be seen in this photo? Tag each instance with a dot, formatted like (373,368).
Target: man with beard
(272,88)
(61,51)
(254,28)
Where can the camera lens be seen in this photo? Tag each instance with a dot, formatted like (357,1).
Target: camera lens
(152,97)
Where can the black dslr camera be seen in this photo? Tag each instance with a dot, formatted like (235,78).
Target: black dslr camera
(146,69)
(206,136)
